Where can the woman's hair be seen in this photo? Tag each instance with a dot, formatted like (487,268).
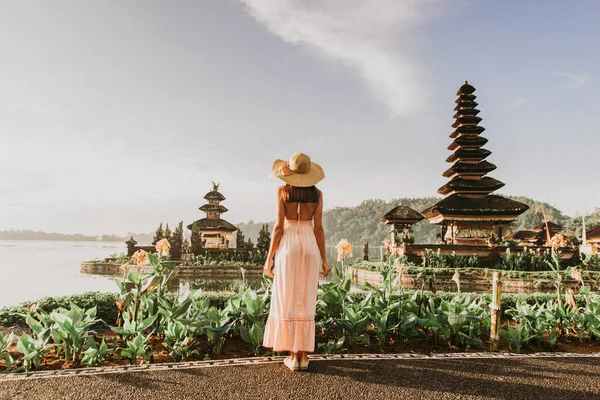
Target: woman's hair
(300,194)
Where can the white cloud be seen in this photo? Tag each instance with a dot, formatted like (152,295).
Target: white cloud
(519,103)
(573,80)
(373,37)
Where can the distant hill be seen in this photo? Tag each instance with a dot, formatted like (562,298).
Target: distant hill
(70,237)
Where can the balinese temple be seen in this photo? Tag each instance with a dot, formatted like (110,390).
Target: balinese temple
(593,239)
(535,237)
(401,219)
(216,232)
(470,213)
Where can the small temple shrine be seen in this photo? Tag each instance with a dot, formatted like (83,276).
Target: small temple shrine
(401,219)
(470,214)
(216,233)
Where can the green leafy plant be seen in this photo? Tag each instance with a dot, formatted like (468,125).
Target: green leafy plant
(333,345)
(254,309)
(356,321)
(138,346)
(132,328)
(330,304)
(95,354)
(460,321)
(33,350)
(216,323)
(179,340)
(5,343)
(589,318)
(518,335)
(71,330)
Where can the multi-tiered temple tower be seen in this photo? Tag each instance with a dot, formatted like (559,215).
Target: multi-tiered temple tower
(214,231)
(470,213)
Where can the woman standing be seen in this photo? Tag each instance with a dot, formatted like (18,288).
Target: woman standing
(297,252)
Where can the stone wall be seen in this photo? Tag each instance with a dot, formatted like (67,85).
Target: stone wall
(182,271)
(467,283)
(487,256)
(108,268)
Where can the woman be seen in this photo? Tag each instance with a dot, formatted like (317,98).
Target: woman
(297,252)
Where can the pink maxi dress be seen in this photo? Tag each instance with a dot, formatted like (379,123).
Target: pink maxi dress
(291,322)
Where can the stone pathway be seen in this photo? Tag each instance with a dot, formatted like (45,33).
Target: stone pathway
(439,376)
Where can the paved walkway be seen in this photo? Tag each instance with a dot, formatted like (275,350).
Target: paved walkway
(402,376)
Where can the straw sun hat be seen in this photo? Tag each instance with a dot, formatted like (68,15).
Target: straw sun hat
(298,171)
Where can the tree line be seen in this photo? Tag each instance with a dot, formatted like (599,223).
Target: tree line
(357,224)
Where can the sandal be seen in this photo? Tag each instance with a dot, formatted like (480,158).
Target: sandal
(292,365)
(304,364)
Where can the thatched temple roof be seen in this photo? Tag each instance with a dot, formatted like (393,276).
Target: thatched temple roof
(489,206)
(214,195)
(593,235)
(212,224)
(402,214)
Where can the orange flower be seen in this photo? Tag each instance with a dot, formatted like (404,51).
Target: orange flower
(400,268)
(163,247)
(125,268)
(344,249)
(387,242)
(576,274)
(570,298)
(456,277)
(397,250)
(140,257)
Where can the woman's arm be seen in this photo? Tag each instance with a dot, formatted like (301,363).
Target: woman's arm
(277,234)
(320,234)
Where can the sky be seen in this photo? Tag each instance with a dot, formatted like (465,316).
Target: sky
(117,115)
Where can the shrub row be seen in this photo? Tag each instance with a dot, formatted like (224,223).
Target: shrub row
(108,313)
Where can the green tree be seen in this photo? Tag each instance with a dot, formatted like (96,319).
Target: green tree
(176,241)
(196,239)
(239,239)
(159,235)
(264,239)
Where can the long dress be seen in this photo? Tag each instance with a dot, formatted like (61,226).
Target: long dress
(291,322)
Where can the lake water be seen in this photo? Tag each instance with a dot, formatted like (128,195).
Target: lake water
(30,270)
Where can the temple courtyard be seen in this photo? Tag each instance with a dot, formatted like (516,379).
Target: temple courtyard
(390,376)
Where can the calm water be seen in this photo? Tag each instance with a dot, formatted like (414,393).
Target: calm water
(30,270)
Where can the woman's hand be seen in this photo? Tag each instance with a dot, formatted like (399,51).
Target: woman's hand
(268,268)
(325,269)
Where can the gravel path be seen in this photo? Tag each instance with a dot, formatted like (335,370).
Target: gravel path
(461,378)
